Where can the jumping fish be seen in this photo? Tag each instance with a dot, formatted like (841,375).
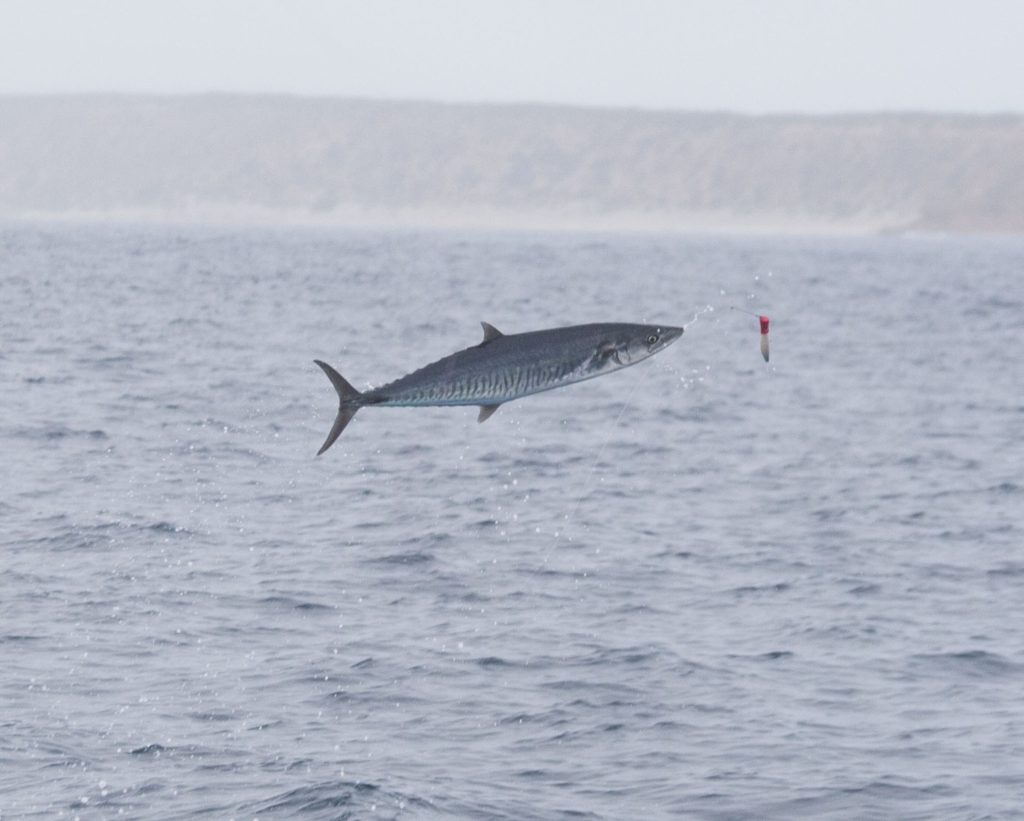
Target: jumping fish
(505,367)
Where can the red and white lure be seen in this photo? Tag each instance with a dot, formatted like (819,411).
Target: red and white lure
(764,336)
(764,329)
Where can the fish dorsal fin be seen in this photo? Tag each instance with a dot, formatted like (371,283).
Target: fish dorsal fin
(487,411)
(490,333)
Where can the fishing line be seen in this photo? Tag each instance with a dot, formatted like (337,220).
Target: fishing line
(742,311)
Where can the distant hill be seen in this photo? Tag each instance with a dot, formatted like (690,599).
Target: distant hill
(229,158)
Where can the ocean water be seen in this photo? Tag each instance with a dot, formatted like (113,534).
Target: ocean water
(701,587)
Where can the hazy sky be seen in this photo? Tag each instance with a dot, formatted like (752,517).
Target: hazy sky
(742,55)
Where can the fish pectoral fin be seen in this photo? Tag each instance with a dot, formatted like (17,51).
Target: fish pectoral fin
(609,351)
(490,334)
(486,412)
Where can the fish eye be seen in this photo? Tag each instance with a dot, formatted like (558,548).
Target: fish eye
(652,339)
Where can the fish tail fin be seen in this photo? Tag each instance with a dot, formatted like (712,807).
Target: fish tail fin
(349,401)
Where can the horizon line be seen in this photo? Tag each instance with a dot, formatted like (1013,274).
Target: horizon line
(514,104)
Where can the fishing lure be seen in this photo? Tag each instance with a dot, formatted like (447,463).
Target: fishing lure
(765,321)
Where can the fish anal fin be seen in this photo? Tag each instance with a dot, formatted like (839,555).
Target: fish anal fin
(486,412)
(490,334)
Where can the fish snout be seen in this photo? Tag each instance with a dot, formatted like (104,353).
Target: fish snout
(670,335)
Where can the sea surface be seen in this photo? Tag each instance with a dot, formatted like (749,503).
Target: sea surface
(701,587)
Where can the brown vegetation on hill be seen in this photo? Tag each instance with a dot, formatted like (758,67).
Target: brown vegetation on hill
(264,158)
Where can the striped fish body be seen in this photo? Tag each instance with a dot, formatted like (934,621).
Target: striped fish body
(506,367)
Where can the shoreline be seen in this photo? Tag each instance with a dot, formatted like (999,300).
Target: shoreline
(484,219)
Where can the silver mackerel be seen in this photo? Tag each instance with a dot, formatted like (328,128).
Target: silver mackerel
(504,367)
